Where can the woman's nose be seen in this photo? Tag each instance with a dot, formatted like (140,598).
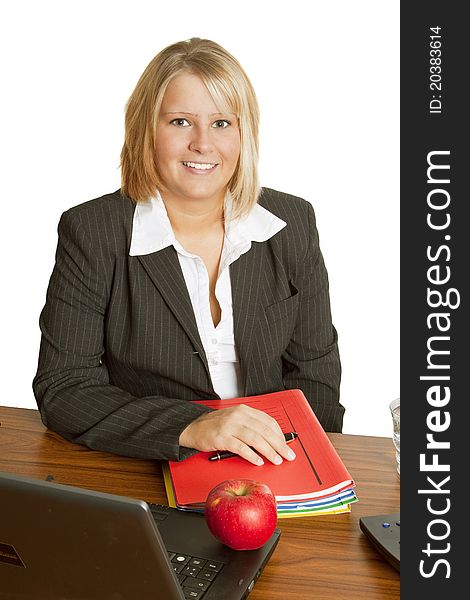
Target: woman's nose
(201,140)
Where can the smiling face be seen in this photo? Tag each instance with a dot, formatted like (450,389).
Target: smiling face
(197,146)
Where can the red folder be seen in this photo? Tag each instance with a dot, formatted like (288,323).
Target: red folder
(317,471)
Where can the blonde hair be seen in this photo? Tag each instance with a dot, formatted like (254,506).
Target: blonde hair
(230,88)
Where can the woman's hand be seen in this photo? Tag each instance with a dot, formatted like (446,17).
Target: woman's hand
(240,429)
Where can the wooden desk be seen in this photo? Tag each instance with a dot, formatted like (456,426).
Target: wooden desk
(321,558)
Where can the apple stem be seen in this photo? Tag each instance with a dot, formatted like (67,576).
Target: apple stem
(240,492)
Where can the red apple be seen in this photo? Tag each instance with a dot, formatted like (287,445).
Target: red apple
(241,513)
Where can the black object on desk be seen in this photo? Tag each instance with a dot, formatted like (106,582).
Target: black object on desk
(383,531)
(110,546)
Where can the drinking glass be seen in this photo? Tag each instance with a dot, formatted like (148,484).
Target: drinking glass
(395,411)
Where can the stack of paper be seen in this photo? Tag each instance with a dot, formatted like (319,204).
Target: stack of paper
(316,482)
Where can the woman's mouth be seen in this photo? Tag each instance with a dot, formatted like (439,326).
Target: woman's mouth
(197,167)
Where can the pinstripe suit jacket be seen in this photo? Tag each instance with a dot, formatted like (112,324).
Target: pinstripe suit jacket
(120,352)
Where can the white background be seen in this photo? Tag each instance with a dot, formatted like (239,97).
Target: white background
(327,79)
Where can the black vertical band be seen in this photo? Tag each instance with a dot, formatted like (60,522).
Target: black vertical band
(434,296)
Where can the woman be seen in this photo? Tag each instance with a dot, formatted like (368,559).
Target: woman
(187,283)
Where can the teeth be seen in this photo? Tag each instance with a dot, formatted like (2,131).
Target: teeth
(203,166)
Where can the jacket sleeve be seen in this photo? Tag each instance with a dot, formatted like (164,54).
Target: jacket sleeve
(311,360)
(72,387)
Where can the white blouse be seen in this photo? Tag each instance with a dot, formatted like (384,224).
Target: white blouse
(152,231)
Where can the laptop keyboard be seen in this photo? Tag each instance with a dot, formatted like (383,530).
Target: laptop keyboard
(195,574)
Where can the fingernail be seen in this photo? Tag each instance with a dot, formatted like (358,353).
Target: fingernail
(260,462)
(278,460)
(290,455)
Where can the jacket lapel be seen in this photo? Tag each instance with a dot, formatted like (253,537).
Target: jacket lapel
(246,275)
(164,270)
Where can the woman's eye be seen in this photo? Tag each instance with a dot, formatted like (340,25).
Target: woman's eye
(180,122)
(221,124)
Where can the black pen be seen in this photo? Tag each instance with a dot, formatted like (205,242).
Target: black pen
(289,437)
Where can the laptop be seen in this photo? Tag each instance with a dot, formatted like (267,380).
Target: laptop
(62,542)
